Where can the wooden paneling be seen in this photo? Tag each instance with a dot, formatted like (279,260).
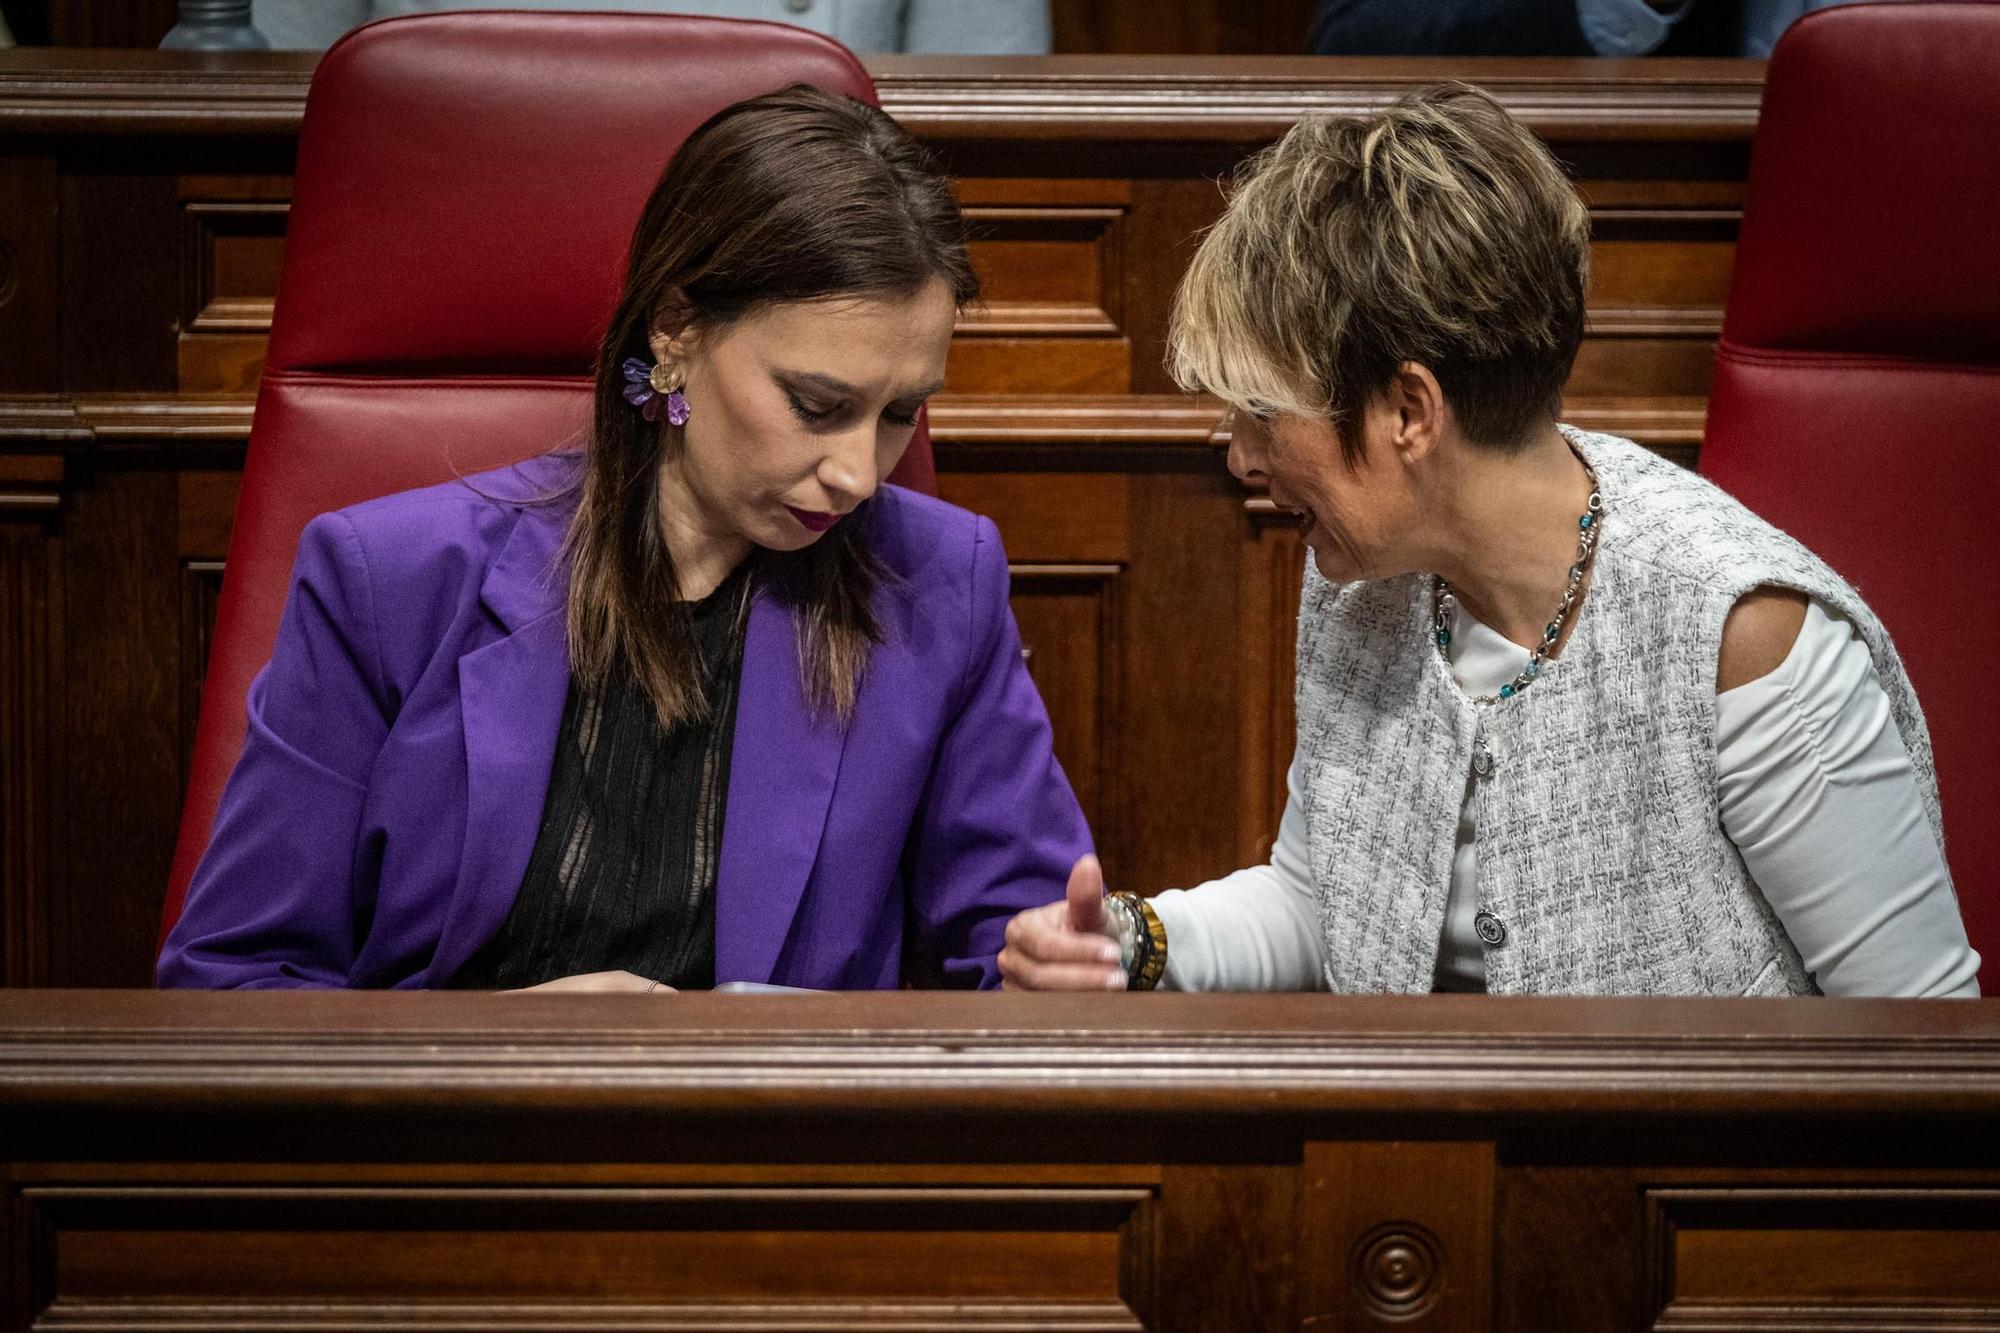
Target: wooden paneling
(1068,616)
(925,1161)
(1273,575)
(142,209)
(29,299)
(29,706)
(132,23)
(1750,1258)
(1396,1235)
(121,732)
(240,1250)
(232,239)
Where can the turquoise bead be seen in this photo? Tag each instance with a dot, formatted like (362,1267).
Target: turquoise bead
(1549,634)
(1532,670)
(1506,691)
(1444,638)
(1584,522)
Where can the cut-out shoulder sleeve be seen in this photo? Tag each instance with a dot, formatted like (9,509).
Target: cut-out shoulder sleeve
(1758,635)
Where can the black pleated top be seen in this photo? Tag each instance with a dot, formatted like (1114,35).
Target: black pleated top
(622,877)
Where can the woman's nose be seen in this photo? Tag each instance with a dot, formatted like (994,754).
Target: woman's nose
(847,469)
(1245,463)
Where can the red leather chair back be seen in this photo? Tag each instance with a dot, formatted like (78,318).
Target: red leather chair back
(466,189)
(1857,388)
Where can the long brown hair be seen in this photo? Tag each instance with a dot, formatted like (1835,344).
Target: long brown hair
(798,195)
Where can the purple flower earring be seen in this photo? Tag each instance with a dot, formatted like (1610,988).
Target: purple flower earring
(656,390)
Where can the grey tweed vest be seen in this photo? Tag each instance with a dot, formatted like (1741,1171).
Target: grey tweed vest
(1601,851)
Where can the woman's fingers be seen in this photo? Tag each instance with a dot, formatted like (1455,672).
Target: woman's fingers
(1044,952)
(1085,895)
(1026,974)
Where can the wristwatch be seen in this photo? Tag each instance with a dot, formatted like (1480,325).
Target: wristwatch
(1142,940)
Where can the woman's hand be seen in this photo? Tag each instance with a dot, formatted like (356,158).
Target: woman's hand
(602,981)
(1067,945)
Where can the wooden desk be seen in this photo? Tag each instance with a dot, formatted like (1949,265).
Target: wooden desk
(922,1161)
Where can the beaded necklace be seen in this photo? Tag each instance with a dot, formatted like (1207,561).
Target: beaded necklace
(1442,601)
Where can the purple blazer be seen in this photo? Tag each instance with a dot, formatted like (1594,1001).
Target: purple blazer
(377,826)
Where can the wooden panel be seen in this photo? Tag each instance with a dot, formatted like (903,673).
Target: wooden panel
(30,701)
(1643,367)
(206,513)
(1045,269)
(1228,1244)
(123,734)
(1573,1233)
(1882,1257)
(122,288)
(1656,271)
(1039,365)
(1273,575)
(237,1249)
(233,236)
(1050,518)
(1396,1235)
(1181,677)
(130,23)
(30,301)
(1068,616)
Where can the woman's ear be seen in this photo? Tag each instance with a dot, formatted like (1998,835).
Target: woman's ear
(673,348)
(1418,400)
(673,334)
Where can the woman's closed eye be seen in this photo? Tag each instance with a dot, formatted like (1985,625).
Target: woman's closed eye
(812,414)
(815,414)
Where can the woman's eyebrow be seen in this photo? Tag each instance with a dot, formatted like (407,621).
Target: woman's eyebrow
(839,386)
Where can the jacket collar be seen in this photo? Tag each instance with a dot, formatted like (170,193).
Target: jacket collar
(511,694)
(529,579)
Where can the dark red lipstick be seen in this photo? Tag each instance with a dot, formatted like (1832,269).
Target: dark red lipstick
(813,522)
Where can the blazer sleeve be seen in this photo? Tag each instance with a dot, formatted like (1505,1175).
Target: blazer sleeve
(272,902)
(999,826)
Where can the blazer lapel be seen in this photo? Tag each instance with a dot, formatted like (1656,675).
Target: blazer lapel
(781,776)
(511,696)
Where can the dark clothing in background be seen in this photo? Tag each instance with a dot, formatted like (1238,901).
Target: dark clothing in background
(1498,28)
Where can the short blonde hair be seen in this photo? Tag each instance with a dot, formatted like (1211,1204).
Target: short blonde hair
(1438,231)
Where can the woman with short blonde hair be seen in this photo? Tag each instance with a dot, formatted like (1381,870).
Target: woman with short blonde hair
(1570,720)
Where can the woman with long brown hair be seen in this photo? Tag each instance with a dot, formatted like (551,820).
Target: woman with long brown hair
(764,718)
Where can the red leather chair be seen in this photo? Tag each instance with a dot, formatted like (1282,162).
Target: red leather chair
(467,186)
(1857,391)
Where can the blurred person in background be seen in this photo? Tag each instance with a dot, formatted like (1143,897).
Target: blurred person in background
(942,27)
(1541,28)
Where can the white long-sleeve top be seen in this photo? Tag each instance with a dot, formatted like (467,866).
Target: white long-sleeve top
(1815,790)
